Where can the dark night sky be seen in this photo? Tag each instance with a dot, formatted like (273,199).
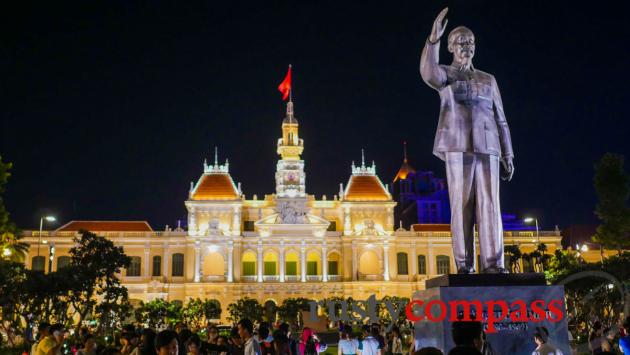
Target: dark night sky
(109,108)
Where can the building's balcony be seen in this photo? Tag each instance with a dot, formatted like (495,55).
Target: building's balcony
(370,277)
(267,278)
(291,278)
(334,278)
(213,278)
(313,277)
(250,278)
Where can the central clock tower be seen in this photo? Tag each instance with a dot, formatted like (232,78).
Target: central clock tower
(290,177)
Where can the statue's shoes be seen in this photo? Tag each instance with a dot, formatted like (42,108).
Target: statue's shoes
(495,270)
(466,270)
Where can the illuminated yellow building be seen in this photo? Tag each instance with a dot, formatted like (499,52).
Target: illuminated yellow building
(286,244)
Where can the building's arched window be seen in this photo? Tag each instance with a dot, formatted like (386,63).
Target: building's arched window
(291,262)
(178,264)
(249,264)
(443,264)
(62,262)
(157,266)
(39,263)
(270,262)
(401,259)
(313,266)
(422,265)
(134,267)
(333,264)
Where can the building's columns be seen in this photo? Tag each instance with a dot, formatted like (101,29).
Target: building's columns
(165,257)
(414,262)
(347,224)
(192,222)
(303,261)
(260,261)
(147,255)
(324,263)
(355,269)
(197,261)
(431,259)
(390,219)
(281,262)
(385,261)
(236,221)
(230,257)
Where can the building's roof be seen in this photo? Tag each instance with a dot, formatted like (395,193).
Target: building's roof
(106,226)
(215,186)
(405,169)
(431,227)
(366,188)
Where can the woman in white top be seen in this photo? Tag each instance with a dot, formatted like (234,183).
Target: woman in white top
(347,345)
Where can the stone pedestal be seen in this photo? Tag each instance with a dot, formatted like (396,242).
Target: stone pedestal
(545,307)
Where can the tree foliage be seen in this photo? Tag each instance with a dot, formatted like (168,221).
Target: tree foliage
(245,308)
(197,312)
(86,289)
(612,185)
(515,256)
(589,295)
(159,313)
(94,263)
(10,245)
(289,309)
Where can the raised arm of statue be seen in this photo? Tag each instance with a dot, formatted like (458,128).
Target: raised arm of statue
(430,69)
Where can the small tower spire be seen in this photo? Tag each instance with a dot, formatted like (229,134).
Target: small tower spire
(405,150)
(216,156)
(362,158)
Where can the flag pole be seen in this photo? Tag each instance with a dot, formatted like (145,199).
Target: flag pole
(291,87)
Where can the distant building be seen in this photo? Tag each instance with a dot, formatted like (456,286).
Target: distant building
(421,197)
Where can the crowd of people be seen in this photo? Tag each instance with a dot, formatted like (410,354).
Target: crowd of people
(280,339)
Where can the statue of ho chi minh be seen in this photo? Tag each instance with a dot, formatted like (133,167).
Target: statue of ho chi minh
(472,138)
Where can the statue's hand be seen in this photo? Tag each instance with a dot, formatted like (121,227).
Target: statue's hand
(439,25)
(508,165)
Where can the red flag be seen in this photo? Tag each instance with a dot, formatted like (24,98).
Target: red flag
(285,85)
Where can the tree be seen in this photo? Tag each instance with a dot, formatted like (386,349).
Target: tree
(612,185)
(289,310)
(199,312)
(10,246)
(159,313)
(245,308)
(515,256)
(398,304)
(589,291)
(94,263)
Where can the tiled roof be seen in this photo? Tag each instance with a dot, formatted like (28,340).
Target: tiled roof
(106,226)
(366,188)
(431,227)
(215,187)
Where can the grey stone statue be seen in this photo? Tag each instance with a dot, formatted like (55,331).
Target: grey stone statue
(472,138)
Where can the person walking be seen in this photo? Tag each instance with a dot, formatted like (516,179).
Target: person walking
(246,331)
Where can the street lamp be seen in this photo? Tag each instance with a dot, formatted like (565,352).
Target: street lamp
(530,220)
(41,225)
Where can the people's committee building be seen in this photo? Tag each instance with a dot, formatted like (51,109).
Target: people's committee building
(285,244)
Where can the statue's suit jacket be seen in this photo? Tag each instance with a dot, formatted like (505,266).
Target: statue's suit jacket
(471,112)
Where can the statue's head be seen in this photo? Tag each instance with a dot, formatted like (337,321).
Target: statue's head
(461,42)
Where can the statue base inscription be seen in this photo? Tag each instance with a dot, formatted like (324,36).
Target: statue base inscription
(512,307)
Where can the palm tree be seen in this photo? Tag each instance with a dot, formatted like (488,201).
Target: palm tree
(515,256)
(11,247)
